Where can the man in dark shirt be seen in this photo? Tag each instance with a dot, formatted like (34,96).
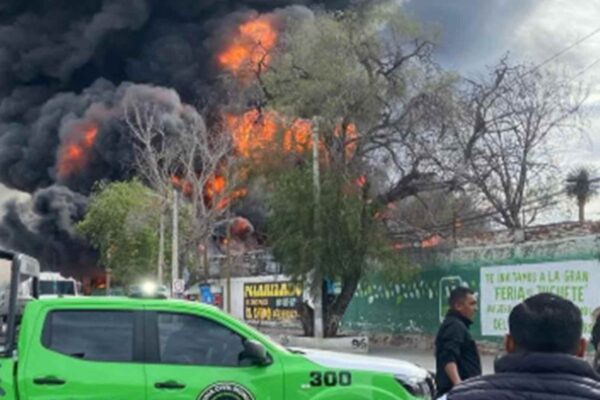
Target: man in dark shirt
(456,353)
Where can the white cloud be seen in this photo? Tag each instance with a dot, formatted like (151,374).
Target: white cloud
(555,25)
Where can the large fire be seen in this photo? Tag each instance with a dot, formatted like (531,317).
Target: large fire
(74,154)
(249,50)
(249,53)
(259,133)
(254,132)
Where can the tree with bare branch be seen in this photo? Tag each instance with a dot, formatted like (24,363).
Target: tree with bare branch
(506,127)
(175,150)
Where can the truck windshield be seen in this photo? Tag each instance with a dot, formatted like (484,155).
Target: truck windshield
(57,287)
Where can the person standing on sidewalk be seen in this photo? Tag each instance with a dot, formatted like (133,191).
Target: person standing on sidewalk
(456,354)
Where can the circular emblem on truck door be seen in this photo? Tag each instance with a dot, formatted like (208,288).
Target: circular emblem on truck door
(225,391)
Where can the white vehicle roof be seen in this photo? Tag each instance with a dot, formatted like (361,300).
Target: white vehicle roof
(53,276)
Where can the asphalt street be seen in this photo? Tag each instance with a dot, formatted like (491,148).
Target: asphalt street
(423,358)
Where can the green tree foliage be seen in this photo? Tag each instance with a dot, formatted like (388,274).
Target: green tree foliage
(365,79)
(346,242)
(122,224)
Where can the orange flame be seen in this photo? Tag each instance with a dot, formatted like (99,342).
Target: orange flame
(249,49)
(240,227)
(254,132)
(213,191)
(214,187)
(185,186)
(350,139)
(298,138)
(235,195)
(73,155)
(361,181)
(431,241)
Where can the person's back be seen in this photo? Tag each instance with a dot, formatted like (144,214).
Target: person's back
(596,339)
(545,357)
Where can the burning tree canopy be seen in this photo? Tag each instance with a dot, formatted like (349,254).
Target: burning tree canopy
(366,81)
(250,49)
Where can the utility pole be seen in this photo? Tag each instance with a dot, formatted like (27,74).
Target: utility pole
(317,281)
(205,260)
(228,264)
(175,238)
(161,246)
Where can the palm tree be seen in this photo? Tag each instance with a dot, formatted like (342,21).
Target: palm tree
(580,186)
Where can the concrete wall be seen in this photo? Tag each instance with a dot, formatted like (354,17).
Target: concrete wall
(417,306)
(555,249)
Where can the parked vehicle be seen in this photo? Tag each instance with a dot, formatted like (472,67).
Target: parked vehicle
(53,284)
(156,348)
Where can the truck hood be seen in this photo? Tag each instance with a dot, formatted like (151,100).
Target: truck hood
(336,360)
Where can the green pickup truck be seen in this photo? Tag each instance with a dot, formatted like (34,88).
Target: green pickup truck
(152,349)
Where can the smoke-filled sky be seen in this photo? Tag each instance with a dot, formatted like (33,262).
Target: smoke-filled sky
(60,58)
(66,69)
(473,34)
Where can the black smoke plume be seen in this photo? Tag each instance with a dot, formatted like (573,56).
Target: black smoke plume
(45,227)
(64,67)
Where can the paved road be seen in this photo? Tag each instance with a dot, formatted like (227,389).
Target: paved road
(423,358)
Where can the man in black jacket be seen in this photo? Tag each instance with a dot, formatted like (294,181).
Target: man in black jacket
(456,353)
(544,361)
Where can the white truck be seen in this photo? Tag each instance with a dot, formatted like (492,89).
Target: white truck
(51,284)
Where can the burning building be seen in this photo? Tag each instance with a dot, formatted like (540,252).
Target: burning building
(65,68)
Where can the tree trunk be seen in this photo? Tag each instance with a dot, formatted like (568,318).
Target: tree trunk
(306,315)
(336,308)
(581,205)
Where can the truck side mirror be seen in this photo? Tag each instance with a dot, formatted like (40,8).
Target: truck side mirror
(255,353)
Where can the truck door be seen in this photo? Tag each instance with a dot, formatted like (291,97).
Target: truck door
(194,357)
(84,355)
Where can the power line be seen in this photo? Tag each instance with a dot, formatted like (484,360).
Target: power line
(476,217)
(586,69)
(563,51)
